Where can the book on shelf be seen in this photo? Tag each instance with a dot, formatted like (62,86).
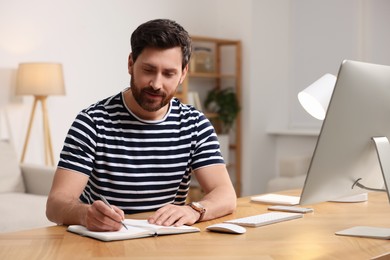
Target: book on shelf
(194,100)
(137,228)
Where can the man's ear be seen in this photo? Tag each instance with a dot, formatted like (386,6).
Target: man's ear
(130,64)
(184,74)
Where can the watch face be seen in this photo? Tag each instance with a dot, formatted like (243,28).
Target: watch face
(197,204)
(198,207)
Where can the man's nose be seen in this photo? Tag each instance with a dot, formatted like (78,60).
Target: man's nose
(156,82)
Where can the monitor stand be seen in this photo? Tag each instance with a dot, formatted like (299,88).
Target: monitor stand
(383,151)
(382,146)
(362,197)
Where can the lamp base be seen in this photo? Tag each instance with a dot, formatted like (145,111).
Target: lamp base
(49,158)
(351,199)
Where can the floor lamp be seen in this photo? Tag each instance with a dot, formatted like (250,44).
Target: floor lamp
(40,80)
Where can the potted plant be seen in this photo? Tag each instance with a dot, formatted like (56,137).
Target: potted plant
(225,104)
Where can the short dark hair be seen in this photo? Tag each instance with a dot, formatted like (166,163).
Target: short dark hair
(163,34)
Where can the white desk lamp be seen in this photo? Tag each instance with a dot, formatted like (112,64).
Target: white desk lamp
(315,98)
(40,80)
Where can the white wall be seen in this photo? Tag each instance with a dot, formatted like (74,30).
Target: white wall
(297,42)
(286,45)
(91,39)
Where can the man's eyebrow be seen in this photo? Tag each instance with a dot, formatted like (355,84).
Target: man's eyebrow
(171,70)
(149,65)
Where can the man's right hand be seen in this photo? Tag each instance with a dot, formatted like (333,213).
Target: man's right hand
(65,208)
(100,217)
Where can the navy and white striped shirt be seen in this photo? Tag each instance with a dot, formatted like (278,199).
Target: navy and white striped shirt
(138,165)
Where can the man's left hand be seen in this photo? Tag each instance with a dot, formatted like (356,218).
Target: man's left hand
(174,215)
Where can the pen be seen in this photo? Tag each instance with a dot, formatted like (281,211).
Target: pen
(108,204)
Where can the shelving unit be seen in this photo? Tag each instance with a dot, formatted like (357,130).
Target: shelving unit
(223,71)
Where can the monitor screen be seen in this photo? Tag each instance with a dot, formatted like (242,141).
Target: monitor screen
(359,110)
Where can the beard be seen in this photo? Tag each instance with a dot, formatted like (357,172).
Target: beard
(140,95)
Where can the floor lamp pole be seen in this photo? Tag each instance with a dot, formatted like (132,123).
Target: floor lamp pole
(49,158)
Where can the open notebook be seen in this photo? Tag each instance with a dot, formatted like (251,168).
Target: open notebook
(136,229)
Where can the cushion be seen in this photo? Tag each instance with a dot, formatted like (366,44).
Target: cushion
(11,179)
(37,178)
(21,211)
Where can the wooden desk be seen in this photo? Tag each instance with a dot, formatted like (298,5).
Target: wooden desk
(311,237)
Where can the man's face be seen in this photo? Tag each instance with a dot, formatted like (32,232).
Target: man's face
(155,77)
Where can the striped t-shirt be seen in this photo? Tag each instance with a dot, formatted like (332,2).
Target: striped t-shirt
(138,165)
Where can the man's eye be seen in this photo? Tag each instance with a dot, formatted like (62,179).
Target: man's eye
(148,70)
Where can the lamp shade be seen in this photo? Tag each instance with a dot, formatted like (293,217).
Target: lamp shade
(40,79)
(316,97)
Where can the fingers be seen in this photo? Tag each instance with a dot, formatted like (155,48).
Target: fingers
(160,216)
(101,217)
(120,212)
(173,215)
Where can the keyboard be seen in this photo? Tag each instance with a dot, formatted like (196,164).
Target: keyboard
(265,219)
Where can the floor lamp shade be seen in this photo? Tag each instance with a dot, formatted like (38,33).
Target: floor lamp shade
(40,80)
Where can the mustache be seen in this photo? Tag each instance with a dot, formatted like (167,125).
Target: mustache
(153,91)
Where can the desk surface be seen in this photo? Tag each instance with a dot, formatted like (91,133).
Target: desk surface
(311,237)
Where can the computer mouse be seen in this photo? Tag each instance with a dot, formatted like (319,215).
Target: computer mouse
(226,228)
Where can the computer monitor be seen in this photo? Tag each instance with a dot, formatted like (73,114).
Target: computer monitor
(345,156)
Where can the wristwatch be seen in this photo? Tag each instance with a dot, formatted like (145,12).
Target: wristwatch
(199,208)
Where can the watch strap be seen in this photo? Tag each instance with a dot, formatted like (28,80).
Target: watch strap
(199,208)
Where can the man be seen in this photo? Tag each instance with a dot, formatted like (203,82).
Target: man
(138,148)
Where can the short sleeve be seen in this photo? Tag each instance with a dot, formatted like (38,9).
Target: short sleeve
(207,149)
(79,146)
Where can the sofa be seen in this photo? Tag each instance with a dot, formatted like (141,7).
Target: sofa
(23,192)
(292,174)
